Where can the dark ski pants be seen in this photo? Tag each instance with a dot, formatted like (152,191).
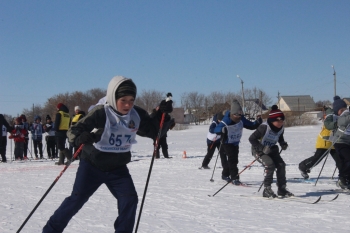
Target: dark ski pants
(343,151)
(25,148)
(229,160)
(51,147)
(317,158)
(19,150)
(162,143)
(38,144)
(210,152)
(88,180)
(3,144)
(273,161)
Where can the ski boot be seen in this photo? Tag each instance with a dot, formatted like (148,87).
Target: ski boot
(226,178)
(268,192)
(343,183)
(282,191)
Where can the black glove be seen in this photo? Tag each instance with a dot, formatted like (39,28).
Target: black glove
(84,138)
(166,106)
(284,145)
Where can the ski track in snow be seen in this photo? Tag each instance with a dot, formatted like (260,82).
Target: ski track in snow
(177,197)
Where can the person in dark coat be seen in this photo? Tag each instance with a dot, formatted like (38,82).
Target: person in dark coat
(264,148)
(162,143)
(5,127)
(50,138)
(106,135)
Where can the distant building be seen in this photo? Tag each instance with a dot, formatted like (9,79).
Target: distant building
(296,103)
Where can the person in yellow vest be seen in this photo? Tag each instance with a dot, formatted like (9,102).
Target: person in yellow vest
(61,126)
(79,114)
(322,145)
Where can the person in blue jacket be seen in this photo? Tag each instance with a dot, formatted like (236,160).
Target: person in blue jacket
(230,129)
(213,140)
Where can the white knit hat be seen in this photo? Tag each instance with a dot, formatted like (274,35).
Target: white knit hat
(77,108)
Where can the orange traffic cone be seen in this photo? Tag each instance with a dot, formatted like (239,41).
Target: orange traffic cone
(184,155)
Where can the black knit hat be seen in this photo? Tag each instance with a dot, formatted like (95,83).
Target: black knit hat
(48,117)
(338,104)
(126,88)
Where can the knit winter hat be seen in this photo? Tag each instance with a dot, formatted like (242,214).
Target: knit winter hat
(77,108)
(169,96)
(23,117)
(338,104)
(126,88)
(275,114)
(37,118)
(18,119)
(48,117)
(236,107)
(59,105)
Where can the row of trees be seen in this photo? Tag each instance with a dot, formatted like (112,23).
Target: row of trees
(199,105)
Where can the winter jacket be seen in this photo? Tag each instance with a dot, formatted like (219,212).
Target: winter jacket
(323,140)
(226,121)
(97,118)
(18,133)
(256,137)
(37,131)
(62,121)
(4,125)
(343,131)
(212,136)
(77,117)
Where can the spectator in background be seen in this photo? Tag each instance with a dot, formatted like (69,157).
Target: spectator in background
(61,126)
(37,136)
(162,140)
(5,127)
(50,138)
(18,135)
(79,114)
(26,138)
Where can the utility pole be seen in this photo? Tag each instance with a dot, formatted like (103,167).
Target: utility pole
(335,81)
(242,94)
(278,100)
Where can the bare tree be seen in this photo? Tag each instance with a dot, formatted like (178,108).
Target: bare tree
(148,100)
(195,105)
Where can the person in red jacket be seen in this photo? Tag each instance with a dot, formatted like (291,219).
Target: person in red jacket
(18,135)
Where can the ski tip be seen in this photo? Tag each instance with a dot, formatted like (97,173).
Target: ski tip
(318,199)
(335,197)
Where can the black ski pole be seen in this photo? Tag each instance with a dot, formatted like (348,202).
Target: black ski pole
(334,172)
(321,169)
(211,179)
(150,170)
(53,184)
(233,178)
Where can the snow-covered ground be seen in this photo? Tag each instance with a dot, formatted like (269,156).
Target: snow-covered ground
(177,199)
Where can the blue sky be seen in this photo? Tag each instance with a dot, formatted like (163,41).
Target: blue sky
(52,47)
